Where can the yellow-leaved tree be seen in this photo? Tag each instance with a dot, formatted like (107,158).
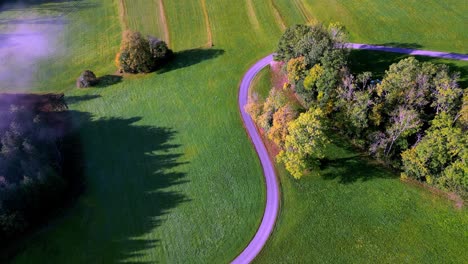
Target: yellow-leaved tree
(305,143)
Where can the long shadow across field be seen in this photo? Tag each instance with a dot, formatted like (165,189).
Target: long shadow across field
(190,57)
(130,170)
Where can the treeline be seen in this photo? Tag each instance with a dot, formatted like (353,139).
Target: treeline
(39,161)
(415,119)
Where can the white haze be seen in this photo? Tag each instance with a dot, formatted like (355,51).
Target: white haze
(24,43)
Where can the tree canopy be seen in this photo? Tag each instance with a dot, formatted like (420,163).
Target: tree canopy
(141,55)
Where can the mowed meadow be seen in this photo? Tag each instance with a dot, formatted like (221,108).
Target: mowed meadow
(170,173)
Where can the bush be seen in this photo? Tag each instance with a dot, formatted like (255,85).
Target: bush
(86,79)
(159,50)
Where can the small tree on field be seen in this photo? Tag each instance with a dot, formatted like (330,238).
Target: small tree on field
(135,54)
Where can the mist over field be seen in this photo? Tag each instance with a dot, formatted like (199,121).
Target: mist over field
(25,41)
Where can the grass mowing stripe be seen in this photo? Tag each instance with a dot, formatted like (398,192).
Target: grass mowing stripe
(189,23)
(303,10)
(419,24)
(163,22)
(252,16)
(288,11)
(207,24)
(123,14)
(151,11)
(277,14)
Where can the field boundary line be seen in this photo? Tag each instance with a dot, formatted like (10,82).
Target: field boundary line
(252,14)
(207,24)
(123,15)
(303,10)
(163,20)
(278,17)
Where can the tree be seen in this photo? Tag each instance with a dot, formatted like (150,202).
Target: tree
(403,124)
(310,42)
(462,116)
(159,50)
(86,79)
(314,44)
(281,119)
(310,81)
(275,100)
(440,157)
(135,53)
(305,142)
(287,43)
(338,34)
(296,69)
(254,107)
(332,62)
(447,93)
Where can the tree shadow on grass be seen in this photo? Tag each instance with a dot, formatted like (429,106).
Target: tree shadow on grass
(378,62)
(401,45)
(130,174)
(347,164)
(108,80)
(74,99)
(352,169)
(191,57)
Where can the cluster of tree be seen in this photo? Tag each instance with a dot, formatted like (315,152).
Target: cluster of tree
(415,119)
(35,153)
(142,55)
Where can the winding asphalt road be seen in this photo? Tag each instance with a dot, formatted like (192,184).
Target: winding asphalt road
(272,187)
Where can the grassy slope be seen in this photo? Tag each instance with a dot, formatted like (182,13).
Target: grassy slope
(141,205)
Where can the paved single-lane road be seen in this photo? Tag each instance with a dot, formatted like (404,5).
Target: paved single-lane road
(272,188)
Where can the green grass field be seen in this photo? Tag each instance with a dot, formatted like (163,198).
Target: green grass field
(358,212)
(436,25)
(262,84)
(171,176)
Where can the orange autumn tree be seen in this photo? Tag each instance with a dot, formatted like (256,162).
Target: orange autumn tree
(281,119)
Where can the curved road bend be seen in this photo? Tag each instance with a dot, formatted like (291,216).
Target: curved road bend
(272,188)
